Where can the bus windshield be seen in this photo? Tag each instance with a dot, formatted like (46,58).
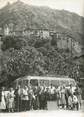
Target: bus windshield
(34,82)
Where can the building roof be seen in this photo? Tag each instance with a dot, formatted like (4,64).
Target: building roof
(44,78)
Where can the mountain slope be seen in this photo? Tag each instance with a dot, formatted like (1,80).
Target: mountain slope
(21,52)
(24,16)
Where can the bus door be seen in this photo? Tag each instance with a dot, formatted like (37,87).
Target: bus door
(20,82)
(25,82)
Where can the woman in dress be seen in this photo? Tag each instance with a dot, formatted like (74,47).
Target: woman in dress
(58,95)
(70,98)
(10,97)
(63,101)
(2,99)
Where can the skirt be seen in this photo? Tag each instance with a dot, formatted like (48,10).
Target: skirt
(11,104)
(2,104)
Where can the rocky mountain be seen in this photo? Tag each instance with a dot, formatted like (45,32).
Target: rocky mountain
(22,16)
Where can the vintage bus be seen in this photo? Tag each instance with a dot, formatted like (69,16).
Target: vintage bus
(41,80)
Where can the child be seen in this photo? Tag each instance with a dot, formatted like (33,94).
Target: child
(70,102)
(75,102)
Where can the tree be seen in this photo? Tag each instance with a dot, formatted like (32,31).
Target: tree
(26,61)
(15,42)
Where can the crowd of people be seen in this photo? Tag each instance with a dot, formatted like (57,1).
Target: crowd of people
(37,97)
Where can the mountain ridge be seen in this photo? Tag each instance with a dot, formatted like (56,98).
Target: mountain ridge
(23,16)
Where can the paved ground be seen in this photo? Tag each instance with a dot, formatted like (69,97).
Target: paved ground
(51,112)
(57,113)
(53,106)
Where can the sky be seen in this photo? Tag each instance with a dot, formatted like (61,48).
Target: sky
(76,6)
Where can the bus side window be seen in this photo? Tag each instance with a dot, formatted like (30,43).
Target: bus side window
(41,82)
(25,82)
(46,83)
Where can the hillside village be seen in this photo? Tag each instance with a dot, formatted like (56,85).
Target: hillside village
(63,39)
